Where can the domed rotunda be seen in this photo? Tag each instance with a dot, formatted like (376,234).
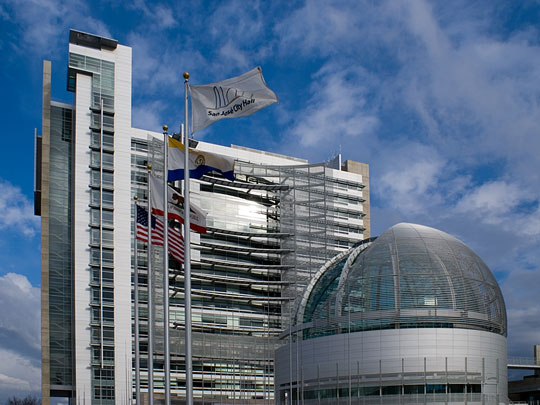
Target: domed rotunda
(414,316)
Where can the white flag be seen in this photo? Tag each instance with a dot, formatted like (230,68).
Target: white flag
(176,206)
(235,97)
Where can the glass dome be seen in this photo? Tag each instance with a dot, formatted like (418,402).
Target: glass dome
(412,276)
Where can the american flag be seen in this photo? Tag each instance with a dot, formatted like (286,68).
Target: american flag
(176,240)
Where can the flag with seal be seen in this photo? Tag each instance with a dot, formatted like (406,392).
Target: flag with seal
(199,164)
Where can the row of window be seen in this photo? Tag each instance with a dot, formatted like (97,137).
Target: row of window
(355,392)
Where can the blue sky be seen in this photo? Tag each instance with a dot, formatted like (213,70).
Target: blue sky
(441,98)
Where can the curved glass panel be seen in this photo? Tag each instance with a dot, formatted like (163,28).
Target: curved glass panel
(412,276)
(323,290)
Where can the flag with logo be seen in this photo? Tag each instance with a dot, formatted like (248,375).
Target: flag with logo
(175,238)
(176,206)
(238,96)
(200,163)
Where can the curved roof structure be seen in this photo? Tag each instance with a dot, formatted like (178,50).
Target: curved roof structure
(412,276)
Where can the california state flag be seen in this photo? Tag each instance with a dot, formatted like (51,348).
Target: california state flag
(176,205)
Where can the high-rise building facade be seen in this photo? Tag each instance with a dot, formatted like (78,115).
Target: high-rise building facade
(268,232)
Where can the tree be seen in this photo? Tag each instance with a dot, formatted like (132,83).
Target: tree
(29,400)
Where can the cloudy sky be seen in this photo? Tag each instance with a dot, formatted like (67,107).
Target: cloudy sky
(442,99)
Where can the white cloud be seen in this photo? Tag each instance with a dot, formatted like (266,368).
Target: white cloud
(158,64)
(20,315)
(411,177)
(336,109)
(231,53)
(147,116)
(161,15)
(44,23)
(322,27)
(492,200)
(20,347)
(18,376)
(524,332)
(232,20)
(452,96)
(3,13)
(16,211)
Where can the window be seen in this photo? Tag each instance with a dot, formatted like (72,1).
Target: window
(108,217)
(391,390)
(108,198)
(96,315)
(104,393)
(108,335)
(140,161)
(474,388)
(107,275)
(435,389)
(108,140)
(105,373)
(106,237)
(108,178)
(139,146)
(456,388)
(108,296)
(413,389)
(108,315)
(139,177)
(108,256)
(108,159)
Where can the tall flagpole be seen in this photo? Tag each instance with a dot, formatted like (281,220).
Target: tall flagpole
(187,251)
(136,311)
(150,299)
(166,348)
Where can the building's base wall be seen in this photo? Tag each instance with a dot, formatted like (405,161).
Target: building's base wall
(394,366)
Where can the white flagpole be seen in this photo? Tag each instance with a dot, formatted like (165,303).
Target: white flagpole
(187,252)
(136,311)
(150,298)
(166,348)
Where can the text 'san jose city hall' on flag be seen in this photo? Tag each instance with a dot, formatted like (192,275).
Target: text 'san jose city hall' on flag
(235,97)
(199,163)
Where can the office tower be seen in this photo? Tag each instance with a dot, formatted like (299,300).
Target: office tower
(268,232)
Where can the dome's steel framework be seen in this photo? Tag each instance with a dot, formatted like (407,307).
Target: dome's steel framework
(414,315)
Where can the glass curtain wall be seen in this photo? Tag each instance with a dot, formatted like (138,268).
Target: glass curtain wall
(266,234)
(60,253)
